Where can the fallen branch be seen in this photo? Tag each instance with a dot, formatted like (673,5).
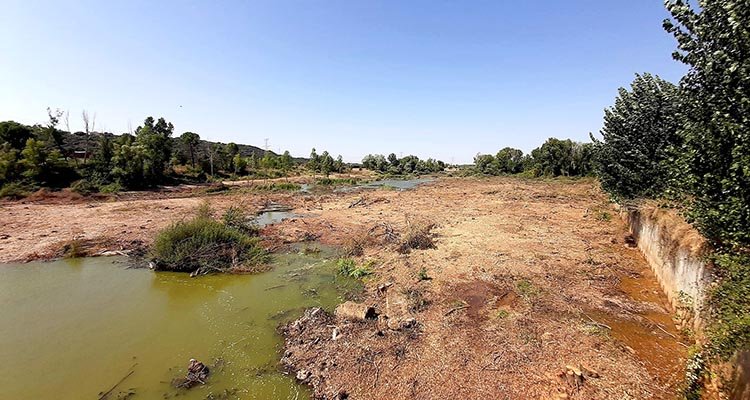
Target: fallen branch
(452,310)
(599,324)
(105,394)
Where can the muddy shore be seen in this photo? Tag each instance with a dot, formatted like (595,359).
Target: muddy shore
(529,281)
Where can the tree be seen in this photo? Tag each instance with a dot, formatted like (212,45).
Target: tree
(15,134)
(326,163)
(154,140)
(639,136)
(486,164)
(314,163)
(715,158)
(89,125)
(286,162)
(338,165)
(393,160)
(191,141)
(509,160)
(554,158)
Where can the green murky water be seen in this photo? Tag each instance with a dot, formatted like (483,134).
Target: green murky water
(72,329)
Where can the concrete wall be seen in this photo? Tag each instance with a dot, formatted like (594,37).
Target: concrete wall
(674,251)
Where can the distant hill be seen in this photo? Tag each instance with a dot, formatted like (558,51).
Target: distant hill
(77,142)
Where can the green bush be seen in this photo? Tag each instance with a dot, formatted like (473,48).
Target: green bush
(111,188)
(14,191)
(207,244)
(236,218)
(84,187)
(348,267)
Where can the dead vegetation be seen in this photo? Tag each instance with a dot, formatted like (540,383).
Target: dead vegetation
(488,298)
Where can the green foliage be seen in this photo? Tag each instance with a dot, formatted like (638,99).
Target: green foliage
(422,275)
(324,163)
(15,134)
(526,289)
(716,112)
(554,158)
(714,162)
(640,136)
(557,157)
(190,141)
(84,187)
(729,302)
(406,165)
(206,243)
(13,191)
(236,218)
(348,267)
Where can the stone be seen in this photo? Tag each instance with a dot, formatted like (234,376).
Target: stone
(355,311)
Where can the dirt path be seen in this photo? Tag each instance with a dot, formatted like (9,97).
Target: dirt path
(527,277)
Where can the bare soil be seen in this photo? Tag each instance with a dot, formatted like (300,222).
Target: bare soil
(528,283)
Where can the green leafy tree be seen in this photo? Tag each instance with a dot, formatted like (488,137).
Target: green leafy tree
(153,138)
(714,43)
(326,163)
(286,162)
(640,134)
(338,165)
(314,163)
(191,141)
(15,134)
(509,160)
(486,164)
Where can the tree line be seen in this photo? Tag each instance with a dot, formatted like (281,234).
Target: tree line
(46,156)
(399,166)
(555,157)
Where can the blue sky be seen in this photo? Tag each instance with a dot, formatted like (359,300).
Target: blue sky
(444,79)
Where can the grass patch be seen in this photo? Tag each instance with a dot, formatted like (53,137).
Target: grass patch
(205,244)
(602,215)
(348,267)
(526,289)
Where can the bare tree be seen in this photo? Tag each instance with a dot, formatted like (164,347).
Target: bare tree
(89,125)
(67,127)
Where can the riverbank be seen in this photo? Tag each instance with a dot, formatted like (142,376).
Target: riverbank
(527,278)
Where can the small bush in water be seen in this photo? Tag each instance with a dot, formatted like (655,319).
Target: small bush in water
(207,244)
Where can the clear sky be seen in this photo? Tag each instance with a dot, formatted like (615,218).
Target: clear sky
(444,79)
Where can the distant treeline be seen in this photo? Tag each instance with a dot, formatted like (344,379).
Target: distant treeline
(553,158)
(405,165)
(45,156)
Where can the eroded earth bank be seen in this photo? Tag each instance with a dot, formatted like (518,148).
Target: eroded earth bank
(530,289)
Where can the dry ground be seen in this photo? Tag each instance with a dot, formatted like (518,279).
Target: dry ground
(527,277)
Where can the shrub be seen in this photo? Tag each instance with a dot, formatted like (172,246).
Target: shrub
(236,218)
(348,267)
(417,236)
(74,249)
(83,187)
(206,244)
(14,191)
(111,188)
